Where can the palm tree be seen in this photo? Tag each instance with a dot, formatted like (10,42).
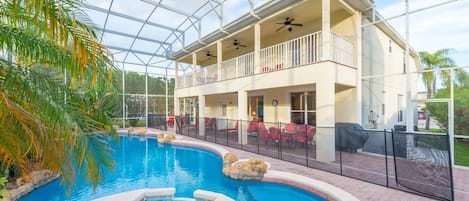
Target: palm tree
(44,123)
(438,60)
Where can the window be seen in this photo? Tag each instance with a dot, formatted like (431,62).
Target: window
(390,46)
(403,63)
(298,102)
(400,112)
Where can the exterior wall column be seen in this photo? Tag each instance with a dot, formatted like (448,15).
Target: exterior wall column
(219,59)
(242,108)
(326,30)
(325,119)
(358,64)
(194,65)
(257,48)
(201,115)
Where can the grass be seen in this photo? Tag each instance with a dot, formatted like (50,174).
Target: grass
(461,152)
(434,130)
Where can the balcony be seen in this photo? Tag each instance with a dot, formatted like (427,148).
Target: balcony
(300,51)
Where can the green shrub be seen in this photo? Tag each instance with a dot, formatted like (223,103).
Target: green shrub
(3,190)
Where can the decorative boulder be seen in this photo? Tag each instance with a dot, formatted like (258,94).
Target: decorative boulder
(160,137)
(253,169)
(35,180)
(142,131)
(229,158)
(167,138)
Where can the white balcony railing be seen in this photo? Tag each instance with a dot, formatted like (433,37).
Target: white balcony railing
(238,67)
(292,53)
(200,75)
(245,65)
(180,81)
(211,73)
(188,80)
(296,52)
(342,50)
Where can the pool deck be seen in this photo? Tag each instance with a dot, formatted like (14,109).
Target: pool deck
(360,189)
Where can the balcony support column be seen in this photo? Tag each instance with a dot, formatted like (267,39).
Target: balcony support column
(194,65)
(201,115)
(242,109)
(219,59)
(326,31)
(257,48)
(325,120)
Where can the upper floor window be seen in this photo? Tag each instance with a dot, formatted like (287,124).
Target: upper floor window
(403,63)
(390,46)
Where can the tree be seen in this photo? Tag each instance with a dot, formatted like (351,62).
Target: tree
(461,109)
(438,60)
(45,123)
(134,90)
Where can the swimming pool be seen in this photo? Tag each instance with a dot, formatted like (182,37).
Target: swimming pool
(143,163)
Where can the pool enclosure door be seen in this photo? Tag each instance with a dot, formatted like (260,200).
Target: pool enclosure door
(428,109)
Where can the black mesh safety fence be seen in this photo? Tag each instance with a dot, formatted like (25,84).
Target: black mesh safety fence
(414,162)
(423,163)
(364,155)
(157,121)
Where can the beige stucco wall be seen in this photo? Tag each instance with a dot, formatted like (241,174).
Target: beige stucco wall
(345,106)
(213,105)
(381,93)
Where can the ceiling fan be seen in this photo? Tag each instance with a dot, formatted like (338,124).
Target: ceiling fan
(288,24)
(210,55)
(237,44)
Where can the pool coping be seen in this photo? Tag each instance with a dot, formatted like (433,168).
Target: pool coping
(323,189)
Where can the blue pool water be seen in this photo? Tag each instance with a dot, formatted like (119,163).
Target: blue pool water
(143,163)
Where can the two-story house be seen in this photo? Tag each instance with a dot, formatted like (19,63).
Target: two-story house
(299,61)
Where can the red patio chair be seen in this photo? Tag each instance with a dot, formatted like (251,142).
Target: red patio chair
(264,134)
(210,124)
(277,135)
(304,134)
(290,128)
(252,126)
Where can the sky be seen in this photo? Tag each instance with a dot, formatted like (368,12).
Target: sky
(446,26)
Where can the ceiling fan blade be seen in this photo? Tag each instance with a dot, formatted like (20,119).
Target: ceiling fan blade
(280,28)
(279,23)
(300,25)
(242,45)
(292,19)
